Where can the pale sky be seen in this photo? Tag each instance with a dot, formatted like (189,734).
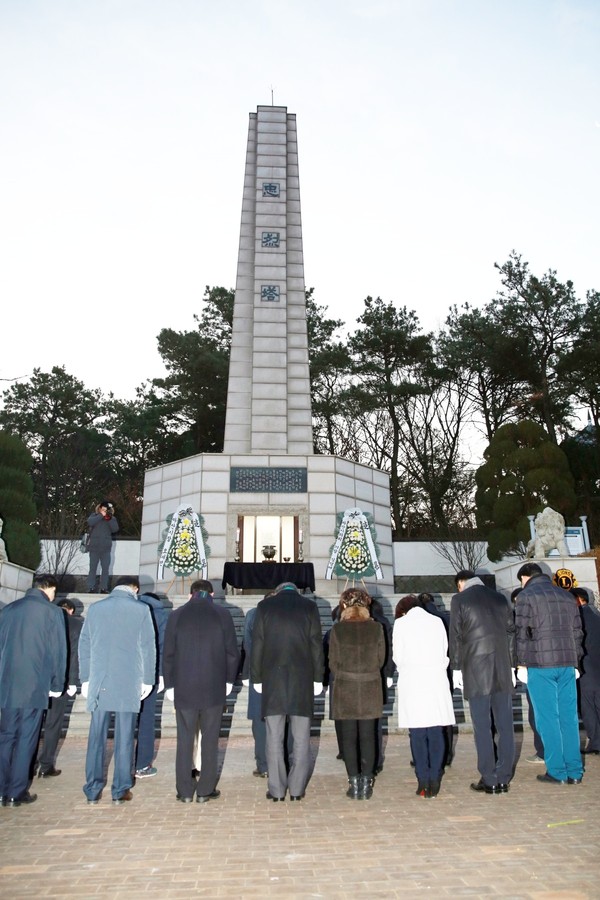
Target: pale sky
(434,137)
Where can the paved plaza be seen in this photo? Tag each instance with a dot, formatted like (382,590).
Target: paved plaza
(538,841)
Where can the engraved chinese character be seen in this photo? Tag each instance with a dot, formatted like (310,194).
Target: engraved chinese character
(270,189)
(270,239)
(269,292)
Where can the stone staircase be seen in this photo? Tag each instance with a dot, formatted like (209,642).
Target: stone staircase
(235,721)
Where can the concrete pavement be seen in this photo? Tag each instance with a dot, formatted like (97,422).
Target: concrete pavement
(538,841)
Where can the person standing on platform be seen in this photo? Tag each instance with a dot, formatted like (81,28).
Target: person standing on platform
(117,667)
(286,667)
(102,525)
(200,665)
(33,666)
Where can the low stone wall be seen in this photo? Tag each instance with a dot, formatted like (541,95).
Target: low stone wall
(14,581)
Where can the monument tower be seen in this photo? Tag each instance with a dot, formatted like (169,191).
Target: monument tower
(268,399)
(268,487)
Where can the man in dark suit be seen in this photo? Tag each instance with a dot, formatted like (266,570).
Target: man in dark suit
(589,682)
(200,664)
(59,705)
(482,656)
(33,666)
(286,667)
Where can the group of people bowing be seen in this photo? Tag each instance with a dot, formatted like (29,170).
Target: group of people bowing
(130,651)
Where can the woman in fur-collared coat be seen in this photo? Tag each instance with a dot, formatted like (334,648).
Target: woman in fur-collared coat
(356,657)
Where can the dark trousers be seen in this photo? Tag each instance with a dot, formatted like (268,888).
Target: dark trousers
(495,761)
(19,736)
(428,748)
(537,741)
(359,745)
(144,752)
(259,733)
(590,714)
(96,753)
(188,722)
(53,722)
(101,557)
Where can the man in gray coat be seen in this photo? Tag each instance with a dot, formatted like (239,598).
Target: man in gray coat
(117,668)
(287,669)
(482,655)
(33,666)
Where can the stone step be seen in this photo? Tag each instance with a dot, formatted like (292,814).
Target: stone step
(235,721)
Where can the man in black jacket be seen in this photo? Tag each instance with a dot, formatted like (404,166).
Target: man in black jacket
(589,683)
(287,669)
(59,706)
(482,656)
(200,664)
(549,637)
(33,666)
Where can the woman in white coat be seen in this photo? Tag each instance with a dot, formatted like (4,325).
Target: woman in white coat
(420,651)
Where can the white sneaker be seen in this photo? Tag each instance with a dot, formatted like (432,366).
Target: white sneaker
(534,759)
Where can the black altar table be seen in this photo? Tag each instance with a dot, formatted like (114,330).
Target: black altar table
(267,575)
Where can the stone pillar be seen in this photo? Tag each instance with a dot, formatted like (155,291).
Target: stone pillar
(268,398)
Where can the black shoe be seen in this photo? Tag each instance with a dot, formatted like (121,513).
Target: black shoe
(270,796)
(549,779)
(212,796)
(14,801)
(591,751)
(574,780)
(503,787)
(339,756)
(296,796)
(195,773)
(353,787)
(434,788)
(479,786)
(365,791)
(258,774)
(422,789)
(184,799)
(49,773)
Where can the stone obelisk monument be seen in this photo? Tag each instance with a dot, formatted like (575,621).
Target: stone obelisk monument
(268,492)
(268,400)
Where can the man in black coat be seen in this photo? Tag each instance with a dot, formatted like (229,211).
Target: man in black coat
(286,667)
(57,710)
(33,666)
(200,664)
(589,682)
(482,656)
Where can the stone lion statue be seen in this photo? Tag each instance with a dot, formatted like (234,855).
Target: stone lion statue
(549,535)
